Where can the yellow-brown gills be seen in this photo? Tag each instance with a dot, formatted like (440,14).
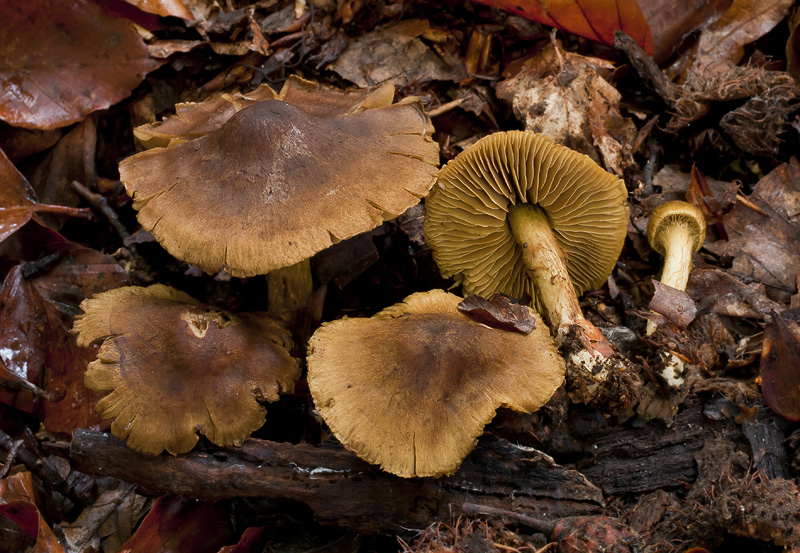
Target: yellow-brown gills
(466,213)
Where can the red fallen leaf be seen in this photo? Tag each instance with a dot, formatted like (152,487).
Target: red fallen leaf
(594,19)
(499,312)
(39,301)
(18,202)
(252,541)
(179,525)
(17,503)
(780,367)
(59,61)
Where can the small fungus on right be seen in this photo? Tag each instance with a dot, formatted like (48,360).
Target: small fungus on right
(675,230)
(411,388)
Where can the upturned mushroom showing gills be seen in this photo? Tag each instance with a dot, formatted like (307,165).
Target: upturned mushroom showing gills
(675,230)
(411,388)
(275,184)
(170,367)
(518,214)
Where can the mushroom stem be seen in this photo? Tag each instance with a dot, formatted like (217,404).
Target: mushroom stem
(289,288)
(555,292)
(677,240)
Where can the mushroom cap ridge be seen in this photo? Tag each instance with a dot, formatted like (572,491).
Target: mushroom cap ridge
(466,212)
(673,212)
(411,388)
(275,185)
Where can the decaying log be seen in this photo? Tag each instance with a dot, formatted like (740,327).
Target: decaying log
(345,491)
(498,477)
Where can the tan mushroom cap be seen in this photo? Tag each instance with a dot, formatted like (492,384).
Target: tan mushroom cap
(466,213)
(411,388)
(671,213)
(275,185)
(192,120)
(172,367)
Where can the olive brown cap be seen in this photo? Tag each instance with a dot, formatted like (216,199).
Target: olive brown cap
(275,185)
(466,213)
(192,120)
(675,213)
(411,388)
(170,367)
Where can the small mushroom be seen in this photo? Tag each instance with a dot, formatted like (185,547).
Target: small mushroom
(411,388)
(170,367)
(274,185)
(518,214)
(675,230)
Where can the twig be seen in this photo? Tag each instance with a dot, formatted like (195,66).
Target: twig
(12,453)
(48,475)
(99,203)
(750,205)
(543,526)
(645,66)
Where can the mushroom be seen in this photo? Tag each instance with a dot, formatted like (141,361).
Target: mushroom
(275,185)
(675,230)
(170,367)
(518,214)
(411,388)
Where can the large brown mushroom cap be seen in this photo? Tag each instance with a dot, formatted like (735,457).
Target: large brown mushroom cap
(172,367)
(466,213)
(192,120)
(275,185)
(411,388)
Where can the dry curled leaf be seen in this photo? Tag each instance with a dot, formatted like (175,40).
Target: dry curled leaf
(59,61)
(499,312)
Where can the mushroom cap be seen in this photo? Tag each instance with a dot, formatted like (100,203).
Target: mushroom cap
(172,367)
(192,120)
(411,388)
(466,213)
(670,213)
(275,185)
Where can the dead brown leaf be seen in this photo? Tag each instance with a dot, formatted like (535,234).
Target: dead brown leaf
(39,301)
(675,305)
(18,202)
(721,44)
(715,291)
(767,249)
(565,97)
(498,312)
(164,8)
(396,55)
(179,525)
(671,21)
(594,19)
(780,367)
(17,503)
(59,61)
